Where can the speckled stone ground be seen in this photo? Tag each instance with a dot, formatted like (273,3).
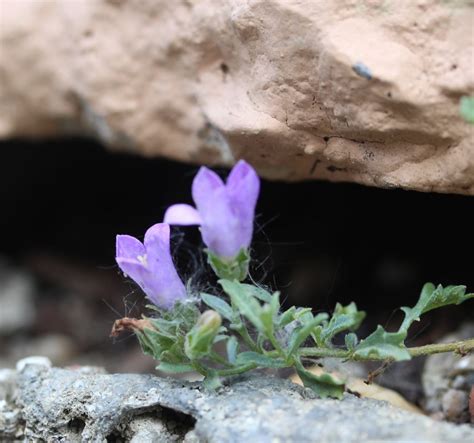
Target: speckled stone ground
(38,402)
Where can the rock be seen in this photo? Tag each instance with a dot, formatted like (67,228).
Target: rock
(471,404)
(38,361)
(297,88)
(455,404)
(86,405)
(448,380)
(11,425)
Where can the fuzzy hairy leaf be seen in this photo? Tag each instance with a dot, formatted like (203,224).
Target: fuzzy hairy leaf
(434,297)
(174,368)
(323,385)
(260,360)
(219,305)
(232,347)
(351,341)
(383,345)
(344,318)
(257,292)
(301,333)
(247,305)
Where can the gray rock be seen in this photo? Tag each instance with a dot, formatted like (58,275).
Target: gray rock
(86,405)
(448,379)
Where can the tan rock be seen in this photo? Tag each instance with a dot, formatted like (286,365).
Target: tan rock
(343,90)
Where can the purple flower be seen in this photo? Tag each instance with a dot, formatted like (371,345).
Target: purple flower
(225,212)
(151,266)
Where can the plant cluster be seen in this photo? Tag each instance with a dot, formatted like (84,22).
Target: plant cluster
(184,328)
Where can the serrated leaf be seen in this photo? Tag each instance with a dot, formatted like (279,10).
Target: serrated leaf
(301,333)
(287,317)
(248,306)
(148,347)
(323,385)
(174,368)
(382,345)
(219,305)
(257,292)
(344,318)
(260,360)
(305,314)
(267,317)
(232,347)
(432,297)
(350,341)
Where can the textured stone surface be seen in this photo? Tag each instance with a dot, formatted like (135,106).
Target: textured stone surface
(348,90)
(448,380)
(87,405)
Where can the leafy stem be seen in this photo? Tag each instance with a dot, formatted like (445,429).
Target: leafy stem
(184,339)
(460,347)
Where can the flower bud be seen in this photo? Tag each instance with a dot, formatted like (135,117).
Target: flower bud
(200,338)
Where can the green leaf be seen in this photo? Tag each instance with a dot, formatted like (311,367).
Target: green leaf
(432,297)
(344,318)
(233,269)
(323,385)
(174,368)
(287,317)
(257,292)
(382,345)
(232,347)
(260,360)
(351,341)
(267,317)
(212,381)
(219,305)
(305,314)
(301,333)
(466,108)
(247,305)
(148,347)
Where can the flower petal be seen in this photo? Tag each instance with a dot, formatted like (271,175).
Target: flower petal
(135,270)
(205,184)
(220,227)
(183,215)
(243,184)
(243,187)
(164,284)
(129,247)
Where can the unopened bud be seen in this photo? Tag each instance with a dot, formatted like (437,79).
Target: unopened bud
(200,338)
(209,320)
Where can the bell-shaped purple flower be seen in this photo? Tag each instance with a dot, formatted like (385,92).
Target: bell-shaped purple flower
(150,265)
(225,211)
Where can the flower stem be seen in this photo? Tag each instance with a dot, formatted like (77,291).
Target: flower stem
(219,359)
(460,347)
(236,370)
(244,333)
(200,368)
